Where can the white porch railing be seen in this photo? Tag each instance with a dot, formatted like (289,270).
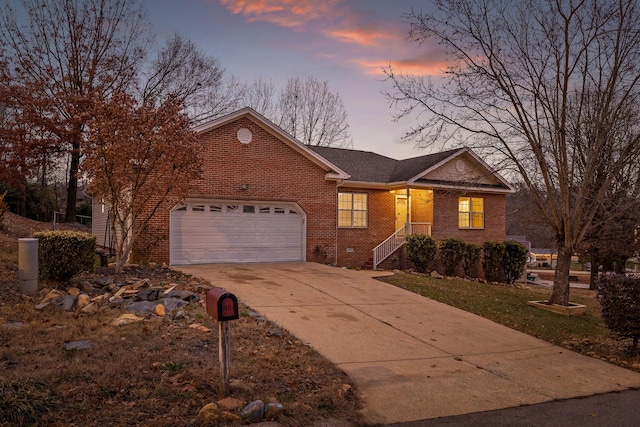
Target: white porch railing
(420,228)
(397,239)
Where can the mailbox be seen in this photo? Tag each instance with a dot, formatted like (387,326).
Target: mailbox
(221,305)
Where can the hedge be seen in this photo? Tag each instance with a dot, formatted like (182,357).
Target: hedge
(63,254)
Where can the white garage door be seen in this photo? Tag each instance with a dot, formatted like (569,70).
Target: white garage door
(217,232)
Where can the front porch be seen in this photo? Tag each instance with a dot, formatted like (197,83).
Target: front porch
(397,239)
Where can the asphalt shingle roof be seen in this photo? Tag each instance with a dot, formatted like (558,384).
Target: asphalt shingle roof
(365,166)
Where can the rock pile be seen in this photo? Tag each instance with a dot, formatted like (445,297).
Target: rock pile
(138,296)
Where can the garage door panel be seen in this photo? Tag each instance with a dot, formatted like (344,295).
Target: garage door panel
(236,233)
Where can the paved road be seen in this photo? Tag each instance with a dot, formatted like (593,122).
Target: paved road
(412,358)
(619,409)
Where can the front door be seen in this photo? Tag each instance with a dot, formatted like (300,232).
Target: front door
(401,211)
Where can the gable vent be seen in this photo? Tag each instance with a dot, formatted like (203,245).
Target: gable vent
(244,135)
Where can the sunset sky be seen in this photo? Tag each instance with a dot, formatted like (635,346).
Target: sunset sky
(345,42)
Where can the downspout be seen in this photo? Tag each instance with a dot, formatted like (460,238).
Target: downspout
(335,257)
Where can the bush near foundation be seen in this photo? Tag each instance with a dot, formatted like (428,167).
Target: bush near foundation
(470,258)
(619,298)
(492,253)
(451,252)
(421,250)
(63,254)
(513,260)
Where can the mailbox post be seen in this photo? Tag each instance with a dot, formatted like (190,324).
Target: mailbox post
(223,306)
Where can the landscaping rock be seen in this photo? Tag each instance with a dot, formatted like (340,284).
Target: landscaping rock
(159,310)
(435,275)
(68,302)
(273,410)
(183,295)
(73,291)
(141,307)
(275,331)
(78,345)
(172,303)
(42,305)
(229,403)
(104,281)
(150,294)
(228,416)
(125,319)
(83,300)
(208,414)
(90,308)
(254,411)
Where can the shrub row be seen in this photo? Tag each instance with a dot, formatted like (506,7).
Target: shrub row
(619,298)
(499,259)
(63,254)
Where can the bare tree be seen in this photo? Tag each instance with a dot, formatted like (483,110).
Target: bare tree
(185,74)
(551,86)
(310,112)
(64,53)
(261,96)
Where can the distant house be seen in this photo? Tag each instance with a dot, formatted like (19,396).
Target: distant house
(265,197)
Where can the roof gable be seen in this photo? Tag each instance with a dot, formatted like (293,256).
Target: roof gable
(452,168)
(333,172)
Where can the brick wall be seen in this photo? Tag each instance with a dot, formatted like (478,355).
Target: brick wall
(445,217)
(273,172)
(355,245)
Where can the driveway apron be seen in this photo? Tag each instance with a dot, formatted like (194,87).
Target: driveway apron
(410,357)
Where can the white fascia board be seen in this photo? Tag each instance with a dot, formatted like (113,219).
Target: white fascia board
(334,172)
(474,189)
(425,186)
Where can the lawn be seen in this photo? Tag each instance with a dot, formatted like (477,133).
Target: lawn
(507,305)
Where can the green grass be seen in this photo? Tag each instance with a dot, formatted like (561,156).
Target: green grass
(507,305)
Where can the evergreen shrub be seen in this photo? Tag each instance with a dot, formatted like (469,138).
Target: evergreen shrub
(451,252)
(63,254)
(492,253)
(421,250)
(514,260)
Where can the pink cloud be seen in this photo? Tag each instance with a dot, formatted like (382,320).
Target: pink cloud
(362,36)
(416,66)
(285,13)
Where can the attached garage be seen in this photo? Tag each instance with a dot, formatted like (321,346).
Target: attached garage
(216,231)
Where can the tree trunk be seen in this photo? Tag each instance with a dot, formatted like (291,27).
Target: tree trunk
(560,294)
(72,188)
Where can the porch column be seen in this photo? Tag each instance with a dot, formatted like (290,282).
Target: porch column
(407,225)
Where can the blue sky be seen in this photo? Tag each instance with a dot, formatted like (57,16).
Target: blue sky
(345,42)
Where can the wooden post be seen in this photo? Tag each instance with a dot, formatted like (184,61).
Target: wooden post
(224,356)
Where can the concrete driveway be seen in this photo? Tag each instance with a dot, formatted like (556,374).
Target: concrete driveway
(412,358)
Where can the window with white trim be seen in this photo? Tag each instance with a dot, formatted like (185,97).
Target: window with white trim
(352,210)
(471,212)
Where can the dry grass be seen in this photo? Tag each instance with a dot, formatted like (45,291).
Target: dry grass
(156,372)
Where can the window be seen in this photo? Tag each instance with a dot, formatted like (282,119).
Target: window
(471,212)
(352,210)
